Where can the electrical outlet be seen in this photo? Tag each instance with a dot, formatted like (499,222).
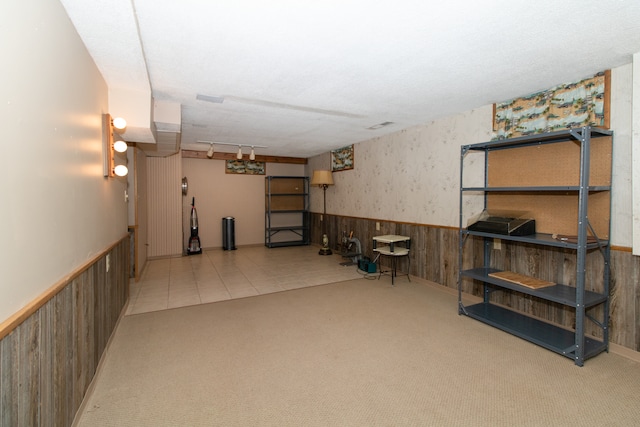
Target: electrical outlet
(497,244)
(377,226)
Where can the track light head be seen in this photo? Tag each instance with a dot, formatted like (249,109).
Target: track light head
(210,152)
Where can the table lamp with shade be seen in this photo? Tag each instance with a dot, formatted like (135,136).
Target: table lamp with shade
(323,179)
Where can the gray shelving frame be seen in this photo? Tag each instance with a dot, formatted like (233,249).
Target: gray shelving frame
(301,228)
(574,344)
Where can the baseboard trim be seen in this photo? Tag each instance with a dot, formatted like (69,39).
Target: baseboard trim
(624,352)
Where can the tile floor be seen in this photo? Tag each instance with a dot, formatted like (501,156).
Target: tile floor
(217,275)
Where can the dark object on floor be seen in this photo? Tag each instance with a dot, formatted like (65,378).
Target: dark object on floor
(229,233)
(194,246)
(366,265)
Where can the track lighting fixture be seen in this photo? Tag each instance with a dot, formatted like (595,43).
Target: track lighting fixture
(210,152)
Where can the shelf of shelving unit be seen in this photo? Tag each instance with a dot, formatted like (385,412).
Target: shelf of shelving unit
(286,211)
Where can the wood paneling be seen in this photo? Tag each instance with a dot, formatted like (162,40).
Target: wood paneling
(434,257)
(9,381)
(49,359)
(625,299)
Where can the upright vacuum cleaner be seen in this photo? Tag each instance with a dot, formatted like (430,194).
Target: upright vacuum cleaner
(194,241)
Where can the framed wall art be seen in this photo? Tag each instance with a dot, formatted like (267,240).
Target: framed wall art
(342,159)
(245,167)
(583,103)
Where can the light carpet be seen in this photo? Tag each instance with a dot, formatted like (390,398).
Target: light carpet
(355,353)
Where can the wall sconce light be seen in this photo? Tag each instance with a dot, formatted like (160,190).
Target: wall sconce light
(110,147)
(222,156)
(121,170)
(120,146)
(119,123)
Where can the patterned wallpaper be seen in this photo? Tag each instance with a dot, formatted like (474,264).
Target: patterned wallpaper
(409,176)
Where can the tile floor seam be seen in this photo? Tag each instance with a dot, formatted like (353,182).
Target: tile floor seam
(249,271)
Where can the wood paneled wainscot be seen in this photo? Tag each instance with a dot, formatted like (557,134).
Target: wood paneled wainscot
(434,257)
(49,351)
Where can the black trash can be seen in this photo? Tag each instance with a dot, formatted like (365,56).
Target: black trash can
(228,233)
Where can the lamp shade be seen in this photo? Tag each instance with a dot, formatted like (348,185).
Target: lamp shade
(322,178)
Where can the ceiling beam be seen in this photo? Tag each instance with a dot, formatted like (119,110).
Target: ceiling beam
(193,154)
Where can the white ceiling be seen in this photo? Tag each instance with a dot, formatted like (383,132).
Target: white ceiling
(304,77)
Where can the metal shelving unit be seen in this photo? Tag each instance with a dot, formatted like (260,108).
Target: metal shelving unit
(572,343)
(286,211)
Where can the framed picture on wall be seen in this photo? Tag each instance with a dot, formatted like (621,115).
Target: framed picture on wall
(342,159)
(245,167)
(583,103)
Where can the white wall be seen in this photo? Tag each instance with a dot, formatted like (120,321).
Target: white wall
(414,175)
(621,195)
(57,210)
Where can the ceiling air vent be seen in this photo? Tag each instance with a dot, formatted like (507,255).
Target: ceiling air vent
(380,125)
(207,98)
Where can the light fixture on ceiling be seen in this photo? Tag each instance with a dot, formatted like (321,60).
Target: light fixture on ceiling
(210,152)
(323,179)
(112,144)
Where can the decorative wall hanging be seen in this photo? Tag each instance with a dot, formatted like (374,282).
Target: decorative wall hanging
(245,167)
(585,103)
(342,159)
